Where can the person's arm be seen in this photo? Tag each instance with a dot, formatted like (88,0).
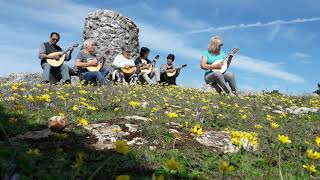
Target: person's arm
(68,54)
(79,63)
(163,68)
(42,52)
(204,64)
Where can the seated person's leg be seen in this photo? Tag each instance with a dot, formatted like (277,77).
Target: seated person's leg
(46,72)
(64,70)
(217,78)
(100,78)
(229,77)
(155,72)
(145,78)
(104,71)
(91,77)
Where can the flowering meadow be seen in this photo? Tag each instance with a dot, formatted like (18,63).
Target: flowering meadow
(284,145)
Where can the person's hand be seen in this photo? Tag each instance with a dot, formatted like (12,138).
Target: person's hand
(71,48)
(56,56)
(93,62)
(218,65)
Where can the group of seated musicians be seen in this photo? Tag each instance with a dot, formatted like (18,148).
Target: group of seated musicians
(210,62)
(87,58)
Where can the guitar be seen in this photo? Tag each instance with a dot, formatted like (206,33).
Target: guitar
(62,56)
(151,65)
(170,74)
(99,65)
(226,61)
(128,71)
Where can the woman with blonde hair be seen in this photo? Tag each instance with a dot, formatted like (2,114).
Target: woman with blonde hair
(209,63)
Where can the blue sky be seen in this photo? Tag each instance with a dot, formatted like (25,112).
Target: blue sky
(278,41)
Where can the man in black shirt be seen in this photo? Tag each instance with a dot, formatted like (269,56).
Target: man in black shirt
(44,53)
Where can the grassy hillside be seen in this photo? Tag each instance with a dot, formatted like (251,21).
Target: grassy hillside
(286,145)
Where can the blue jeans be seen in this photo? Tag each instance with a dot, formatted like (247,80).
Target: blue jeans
(57,72)
(96,77)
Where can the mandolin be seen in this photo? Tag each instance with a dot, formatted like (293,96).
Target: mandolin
(151,65)
(226,61)
(170,74)
(128,71)
(62,56)
(100,64)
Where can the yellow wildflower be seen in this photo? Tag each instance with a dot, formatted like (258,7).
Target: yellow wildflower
(116,130)
(274,125)
(197,130)
(258,126)
(83,122)
(75,108)
(83,92)
(61,114)
(153,110)
(284,139)
(318,141)
(177,136)
(123,177)
(244,116)
(225,166)
(34,152)
(172,164)
(91,108)
(313,154)
(133,104)
(122,147)
(116,109)
(310,168)
(172,115)
(268,117)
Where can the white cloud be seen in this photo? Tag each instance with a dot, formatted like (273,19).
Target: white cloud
(62,13)
(300,55)
(264,67)
(257,24)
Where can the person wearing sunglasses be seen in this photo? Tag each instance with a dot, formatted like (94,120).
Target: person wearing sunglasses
(44,53)
(215,78)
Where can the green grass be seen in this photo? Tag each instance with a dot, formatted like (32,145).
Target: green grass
(58,156)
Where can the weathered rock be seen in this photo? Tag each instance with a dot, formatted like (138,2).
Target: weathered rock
(277,112)
(305,110)
(174,131)
(111,31)
(105,135)
(174,125)
(220,141)
(35,135)
(132,127)
(57,122)
(31,78)
(138,118)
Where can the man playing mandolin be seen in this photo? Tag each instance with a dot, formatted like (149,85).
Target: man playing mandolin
(210,61)
(124,66)
(147,68)
(86,58)
(168,68)
(47,51)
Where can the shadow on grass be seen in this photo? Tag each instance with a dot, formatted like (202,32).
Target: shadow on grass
(62,156)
